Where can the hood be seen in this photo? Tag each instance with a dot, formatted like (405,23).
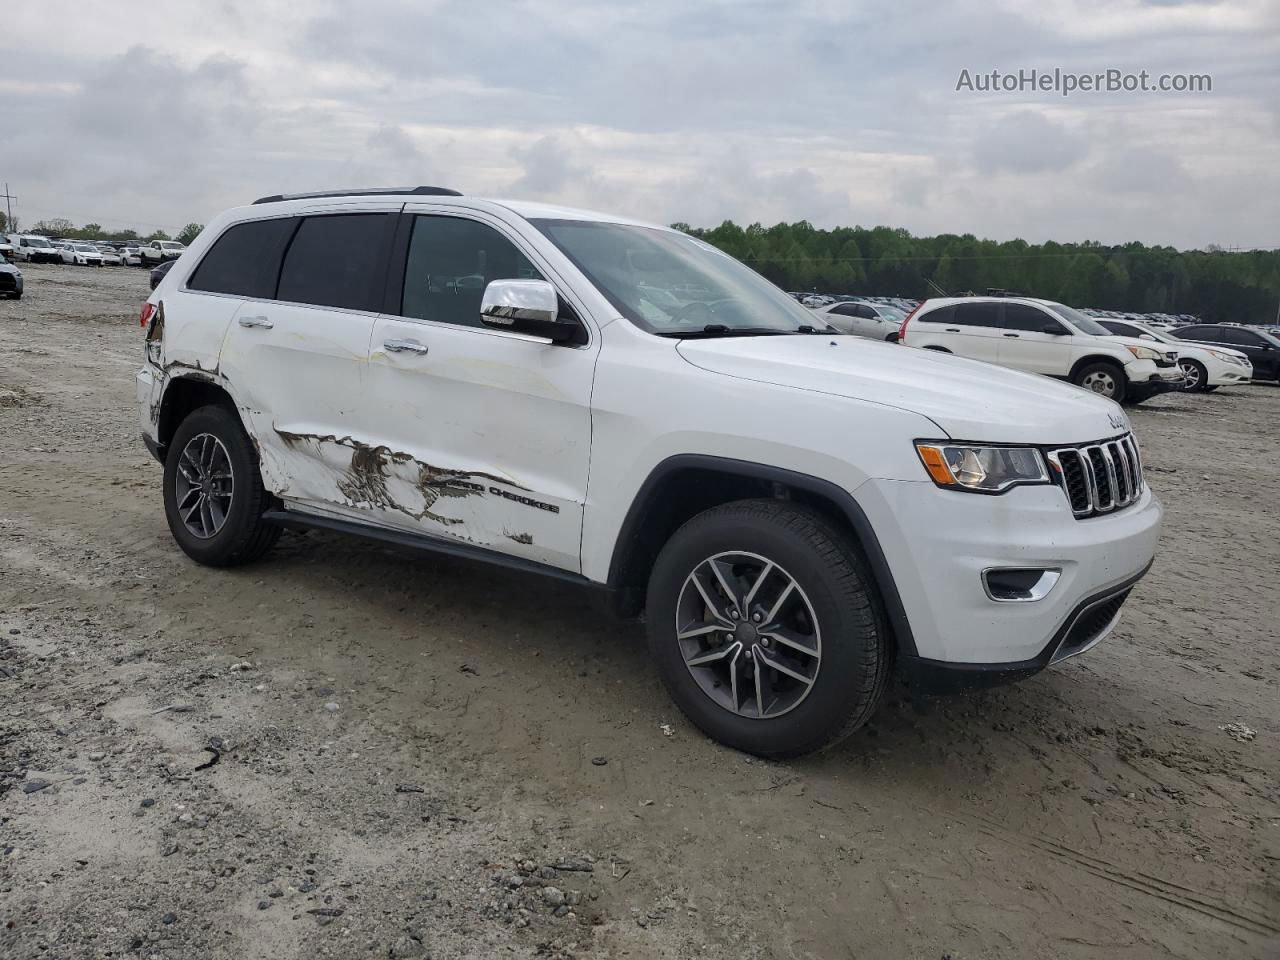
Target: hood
(1160,345)
(967,399)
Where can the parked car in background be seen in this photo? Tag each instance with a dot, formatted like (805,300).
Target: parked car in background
(80,253)
(1262,348)
(10,279)
(158,251)
(875,321)
(158,273)
(32,248)
(798,516)
(6,247)
(131,254)
(110,255)
(1203,368)
(1041,336)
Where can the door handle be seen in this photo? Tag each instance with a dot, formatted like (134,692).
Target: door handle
(953,329)
(1013,334)
(262,322)
(404,346)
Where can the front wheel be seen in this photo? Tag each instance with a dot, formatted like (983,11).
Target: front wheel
(766,628)
(213,493)
(1194,376)
(1105,379)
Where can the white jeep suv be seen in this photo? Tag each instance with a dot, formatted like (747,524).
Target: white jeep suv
(798,515)
(1040,336)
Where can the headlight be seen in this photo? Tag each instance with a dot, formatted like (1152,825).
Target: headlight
(1229,358)
(1145,353)
(982,469)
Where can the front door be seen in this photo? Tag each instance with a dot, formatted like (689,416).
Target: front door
(1025,344)
(485,434)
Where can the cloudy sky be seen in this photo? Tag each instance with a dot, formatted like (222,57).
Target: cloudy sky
(694,110)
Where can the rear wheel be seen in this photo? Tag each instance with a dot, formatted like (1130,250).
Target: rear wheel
(1105,379)
(766,628)
(213,493)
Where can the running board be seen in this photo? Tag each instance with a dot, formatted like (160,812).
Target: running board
(296,520)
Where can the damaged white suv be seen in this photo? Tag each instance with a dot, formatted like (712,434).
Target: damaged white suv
(799,515)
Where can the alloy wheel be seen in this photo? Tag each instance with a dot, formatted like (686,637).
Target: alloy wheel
(204,485)
(748,634)
(1191,373)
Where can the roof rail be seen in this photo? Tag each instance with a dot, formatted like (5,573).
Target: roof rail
(363,192)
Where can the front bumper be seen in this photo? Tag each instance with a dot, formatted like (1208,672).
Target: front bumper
(938,542)
(1229,374)
(1147,380)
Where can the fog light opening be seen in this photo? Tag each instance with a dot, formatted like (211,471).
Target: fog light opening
(1019,584)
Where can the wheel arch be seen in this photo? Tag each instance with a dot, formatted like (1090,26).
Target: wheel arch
(183,394)
(684,485)
(1096,358)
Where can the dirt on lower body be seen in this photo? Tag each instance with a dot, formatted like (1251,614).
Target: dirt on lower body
(349,751)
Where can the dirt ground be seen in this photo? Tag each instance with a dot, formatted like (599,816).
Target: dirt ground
(349,751)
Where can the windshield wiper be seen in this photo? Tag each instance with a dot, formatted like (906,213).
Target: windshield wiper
(722,330)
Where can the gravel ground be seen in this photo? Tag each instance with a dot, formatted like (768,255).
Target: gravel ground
(348,751)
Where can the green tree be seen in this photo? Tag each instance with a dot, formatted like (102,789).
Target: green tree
(158,235)
(189,232)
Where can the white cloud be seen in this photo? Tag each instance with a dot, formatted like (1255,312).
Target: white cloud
(694,110)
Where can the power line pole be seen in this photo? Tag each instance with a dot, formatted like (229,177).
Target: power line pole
(8,198)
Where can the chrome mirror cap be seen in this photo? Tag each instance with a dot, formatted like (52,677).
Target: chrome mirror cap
(510,304)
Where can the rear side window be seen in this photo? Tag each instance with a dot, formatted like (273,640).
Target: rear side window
(977,314)
(844,310)
(945,314)
(338,261)
(245,260)
(1121,329)
(1197,333)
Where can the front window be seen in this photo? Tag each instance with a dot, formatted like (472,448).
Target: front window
(674,285)
(170,246)
(40,243)
(1079,320)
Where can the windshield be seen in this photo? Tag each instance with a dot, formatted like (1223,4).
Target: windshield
(85,247)
(889,313)
(674,285)
(171,246)
(40,242)
(1080,321)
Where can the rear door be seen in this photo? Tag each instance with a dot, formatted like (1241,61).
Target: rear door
(1024,344)
(975,330)
(296,358)
(487,433)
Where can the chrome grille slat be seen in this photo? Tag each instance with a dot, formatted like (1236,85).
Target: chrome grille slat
(1098,478)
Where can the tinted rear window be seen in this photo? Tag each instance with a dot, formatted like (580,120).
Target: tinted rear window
(941,315)
(337,261)
(1020,316)
(245,260)
(977,314)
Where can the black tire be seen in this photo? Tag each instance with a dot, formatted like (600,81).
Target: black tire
(243,536)
(827,566)
(1090,372)
(1196,375)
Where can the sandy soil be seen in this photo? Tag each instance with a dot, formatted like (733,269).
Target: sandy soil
(347,751)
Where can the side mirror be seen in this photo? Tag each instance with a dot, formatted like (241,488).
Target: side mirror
(527,306)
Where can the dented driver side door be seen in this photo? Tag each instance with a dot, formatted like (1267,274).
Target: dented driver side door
(483,435)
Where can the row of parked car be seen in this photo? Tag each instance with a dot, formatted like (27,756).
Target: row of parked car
(1125,357)
(33,248)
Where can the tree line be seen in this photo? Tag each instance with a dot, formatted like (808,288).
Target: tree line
(59,227)
(1213,284)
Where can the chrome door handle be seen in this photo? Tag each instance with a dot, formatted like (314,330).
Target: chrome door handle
(262,322)
(404,346)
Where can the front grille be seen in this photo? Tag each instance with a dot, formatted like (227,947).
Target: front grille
(1098,477)
(1089,624)
(8,282)
(1167,360)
